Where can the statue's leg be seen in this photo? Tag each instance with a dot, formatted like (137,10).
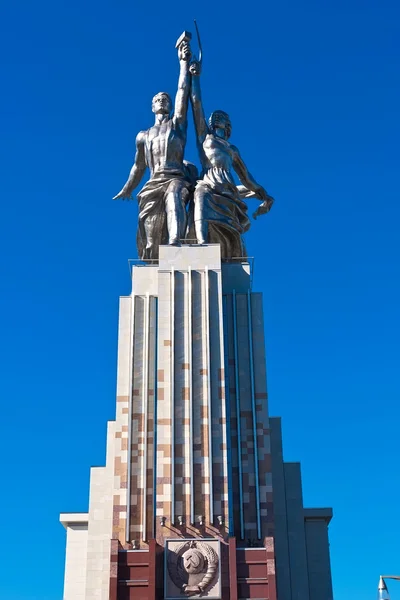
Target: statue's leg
(201,201)
(149,247)
(175,209)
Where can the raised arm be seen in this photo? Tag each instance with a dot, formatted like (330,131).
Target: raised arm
(182,95)
(137,170)
(197,104)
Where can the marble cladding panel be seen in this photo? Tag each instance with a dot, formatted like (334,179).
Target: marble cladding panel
(246,419)
(164,414)
(249,389)
(137,419)
(120,434)
(176,368)
(218,417)
(190,363)
(199,382)
(262,420)
(181,395)
(152,399)
(232,397)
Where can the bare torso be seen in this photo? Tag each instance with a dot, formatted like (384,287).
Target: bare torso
(165,145)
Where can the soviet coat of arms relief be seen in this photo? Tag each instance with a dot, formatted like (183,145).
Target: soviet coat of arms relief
(193,568)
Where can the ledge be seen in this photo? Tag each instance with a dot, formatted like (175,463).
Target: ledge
(68,519)
(318,514)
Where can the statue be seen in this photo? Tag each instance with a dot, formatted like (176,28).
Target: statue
(163,199)
(218,213)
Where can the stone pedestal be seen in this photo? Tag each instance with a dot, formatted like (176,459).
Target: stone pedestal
(189,455)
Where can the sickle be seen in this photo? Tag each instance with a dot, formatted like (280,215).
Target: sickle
(199,42)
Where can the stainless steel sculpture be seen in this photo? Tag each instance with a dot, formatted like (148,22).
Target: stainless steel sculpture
(163,199)
(218,213)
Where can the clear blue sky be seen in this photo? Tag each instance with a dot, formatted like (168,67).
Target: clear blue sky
(313,91)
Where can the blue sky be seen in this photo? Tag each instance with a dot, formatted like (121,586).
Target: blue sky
(313,91)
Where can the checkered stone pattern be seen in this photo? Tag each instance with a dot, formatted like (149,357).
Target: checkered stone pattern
(152,399)
(218,404)
(182,416)
(137,421)
(191,352)
(164,406)
(120,500)
(183,351)
(201,468)
(137,350)
(247,387)
(141,521)
(263,430)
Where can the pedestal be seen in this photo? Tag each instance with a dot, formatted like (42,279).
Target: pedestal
(186,496)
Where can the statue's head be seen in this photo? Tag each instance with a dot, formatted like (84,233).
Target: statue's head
(220,124)
(162,104)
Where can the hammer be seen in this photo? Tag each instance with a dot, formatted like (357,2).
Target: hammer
(186,36)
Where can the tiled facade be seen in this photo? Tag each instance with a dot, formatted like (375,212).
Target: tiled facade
(179,321)
(189,453)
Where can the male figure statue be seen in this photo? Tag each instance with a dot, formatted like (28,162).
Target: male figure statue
(163,199)
(219,214)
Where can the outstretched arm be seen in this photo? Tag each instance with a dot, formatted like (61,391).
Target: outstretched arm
(244,175)
(197,104)
(250,183)
(137,170)
(182,95)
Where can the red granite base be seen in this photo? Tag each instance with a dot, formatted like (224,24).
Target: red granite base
(245,572)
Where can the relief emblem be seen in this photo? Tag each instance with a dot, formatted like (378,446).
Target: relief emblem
(193,567)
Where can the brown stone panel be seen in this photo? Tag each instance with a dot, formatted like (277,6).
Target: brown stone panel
(152,576)
(114,569)
(162,480)
(204,440)
(122,398)
(256,572)
(251,588)
(233,588)
(204,412)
